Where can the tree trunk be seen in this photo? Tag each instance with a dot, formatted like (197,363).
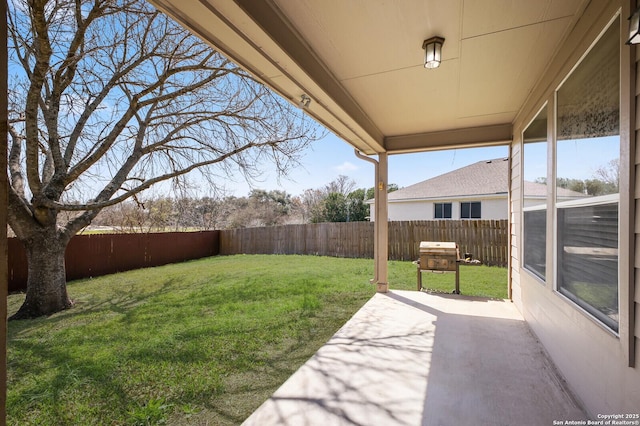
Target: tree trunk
(47,281)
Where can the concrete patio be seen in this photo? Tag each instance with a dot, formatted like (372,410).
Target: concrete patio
(412,358)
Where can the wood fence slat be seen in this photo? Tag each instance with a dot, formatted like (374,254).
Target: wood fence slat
(95,255)
(485,239)
(92,255)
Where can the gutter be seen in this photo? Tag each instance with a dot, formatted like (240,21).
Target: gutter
(376,164)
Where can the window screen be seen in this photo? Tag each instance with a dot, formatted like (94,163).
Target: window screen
(442,211)
(470,210)
(534,248)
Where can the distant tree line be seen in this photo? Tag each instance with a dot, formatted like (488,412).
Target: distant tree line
(605,180)
(338,201)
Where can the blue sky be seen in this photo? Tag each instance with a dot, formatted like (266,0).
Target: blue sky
(330,157)
(576,159)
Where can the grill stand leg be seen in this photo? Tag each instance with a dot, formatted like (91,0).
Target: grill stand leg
(457,273)
(457,290)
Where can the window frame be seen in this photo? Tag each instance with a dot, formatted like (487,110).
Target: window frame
(443,212)
(580,304)
(471,205)
(548,110)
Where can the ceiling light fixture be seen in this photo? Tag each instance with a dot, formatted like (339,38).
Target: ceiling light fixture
(433,52)
(304,101)
(634,28)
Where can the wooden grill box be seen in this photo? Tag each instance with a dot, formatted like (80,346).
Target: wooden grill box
(438,256)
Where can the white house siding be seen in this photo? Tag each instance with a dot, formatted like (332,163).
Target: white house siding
(593,359)
(491,209)
(409,211)
(495,209)
(634,182)
(528,202)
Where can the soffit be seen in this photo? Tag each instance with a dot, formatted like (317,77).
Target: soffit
(362,62)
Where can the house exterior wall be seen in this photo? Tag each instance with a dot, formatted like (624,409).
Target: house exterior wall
(597,363)
(526,202)
(491,209)
(633,194)
(410,211)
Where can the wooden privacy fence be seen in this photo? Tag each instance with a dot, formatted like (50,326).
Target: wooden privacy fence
(100,254)
(487,240)
(352,239)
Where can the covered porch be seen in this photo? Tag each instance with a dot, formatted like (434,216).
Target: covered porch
(514,73)
(413,358)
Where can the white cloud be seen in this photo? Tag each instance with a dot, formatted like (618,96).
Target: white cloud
(346,167)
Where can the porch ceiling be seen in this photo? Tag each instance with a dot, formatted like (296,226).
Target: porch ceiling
(362,62)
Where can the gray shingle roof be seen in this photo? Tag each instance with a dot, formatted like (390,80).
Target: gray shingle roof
(487,177)
(481,178)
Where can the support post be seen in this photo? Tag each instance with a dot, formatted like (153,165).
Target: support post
(382,224)
(4,276)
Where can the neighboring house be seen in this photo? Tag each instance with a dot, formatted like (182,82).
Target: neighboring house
(477,191)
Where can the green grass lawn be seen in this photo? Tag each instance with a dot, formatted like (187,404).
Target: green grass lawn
(203,342)
(475,280)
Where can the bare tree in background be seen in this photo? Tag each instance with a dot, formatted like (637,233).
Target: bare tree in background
(341,185)
(107,98)
(609,175)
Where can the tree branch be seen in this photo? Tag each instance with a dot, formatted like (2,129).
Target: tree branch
(16,178)
(127,96)
(43,54)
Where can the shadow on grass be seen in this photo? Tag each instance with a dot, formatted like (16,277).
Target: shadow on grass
(120,355)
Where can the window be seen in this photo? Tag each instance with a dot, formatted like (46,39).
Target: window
(470,210)
(587,163)
(588,255)
(534,248)
(442,211)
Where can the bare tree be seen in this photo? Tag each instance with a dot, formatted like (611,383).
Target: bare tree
(109,97)
(341,185)
(312,205)
(609,174)
(127,217)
